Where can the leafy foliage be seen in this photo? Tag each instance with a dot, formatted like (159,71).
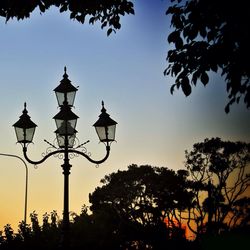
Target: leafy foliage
(221,176)
(140,199)
(34,236)
(210,35)
(107,12)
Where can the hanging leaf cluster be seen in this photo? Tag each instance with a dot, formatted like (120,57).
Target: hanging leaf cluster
(210,36)
(107,12)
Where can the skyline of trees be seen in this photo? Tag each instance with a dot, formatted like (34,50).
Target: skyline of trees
(148,207)
(220,171)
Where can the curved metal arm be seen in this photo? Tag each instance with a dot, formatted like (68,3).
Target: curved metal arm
(88,158)
(63,151)
(40,161)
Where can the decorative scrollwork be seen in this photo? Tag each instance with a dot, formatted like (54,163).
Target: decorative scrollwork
(59,155)
(72,155)
(52,148)
(59,151)
(80,147)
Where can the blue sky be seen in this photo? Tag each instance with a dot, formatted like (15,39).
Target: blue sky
(126,71)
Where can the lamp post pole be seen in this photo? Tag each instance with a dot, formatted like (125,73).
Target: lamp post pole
(66,172)
(26,183)
(66,140)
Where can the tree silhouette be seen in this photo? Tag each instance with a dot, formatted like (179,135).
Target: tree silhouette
(95,231)
(107,12)
(140,199)
(34,236)
(145,207)
(210,35)
(221,176)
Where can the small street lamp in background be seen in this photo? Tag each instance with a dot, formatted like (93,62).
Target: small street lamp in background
(66,142)
(26,183)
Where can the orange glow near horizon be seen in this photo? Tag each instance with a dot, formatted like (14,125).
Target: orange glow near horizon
(173,223)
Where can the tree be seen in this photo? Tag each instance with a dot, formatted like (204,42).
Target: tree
(140,199)
(107,12)
(33,236)
(94,231)
(210,35)
(221,178)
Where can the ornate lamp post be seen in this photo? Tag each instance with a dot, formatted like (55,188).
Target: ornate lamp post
(65,121)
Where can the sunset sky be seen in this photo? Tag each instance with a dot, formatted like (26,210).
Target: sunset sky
(125,70)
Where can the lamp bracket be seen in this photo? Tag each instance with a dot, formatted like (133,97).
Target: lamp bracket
(60,153)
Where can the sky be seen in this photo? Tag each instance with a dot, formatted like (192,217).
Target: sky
(125,70)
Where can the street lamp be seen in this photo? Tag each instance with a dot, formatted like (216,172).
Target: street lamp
(65,121)
(26,183)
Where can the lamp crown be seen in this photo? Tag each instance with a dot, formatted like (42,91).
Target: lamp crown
(104,118)
(24,120)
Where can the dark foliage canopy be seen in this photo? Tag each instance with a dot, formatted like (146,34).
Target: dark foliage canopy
(221,178)
(107,12)
(210,35)
(144,207)
(141,199)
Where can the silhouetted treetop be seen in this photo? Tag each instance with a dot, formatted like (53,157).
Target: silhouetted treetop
(140,200)
(210,35)
(221,178)
(107,12)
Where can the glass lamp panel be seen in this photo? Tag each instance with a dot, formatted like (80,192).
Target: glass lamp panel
(60,98)
(19,134)
(61,140)
(66,127)
(101,132)
(58,123)
(71,140)
(70,97)
(106,134)
(24,135)
(111,132)
(29,134)
(72,123)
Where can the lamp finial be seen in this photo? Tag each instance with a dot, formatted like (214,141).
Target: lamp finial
(65,73)
(103,110)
